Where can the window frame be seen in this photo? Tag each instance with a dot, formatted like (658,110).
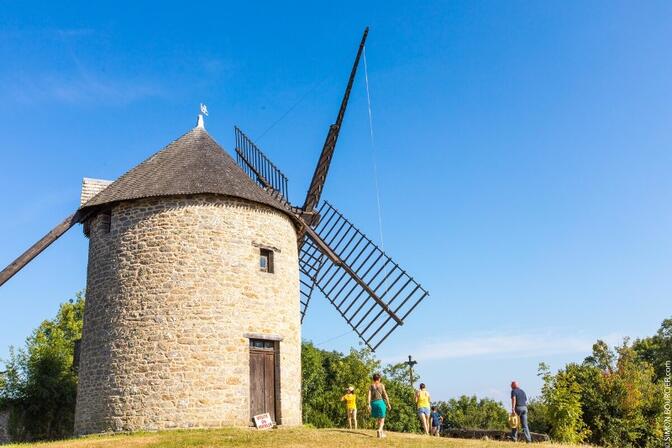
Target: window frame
(262,344)
(267,254)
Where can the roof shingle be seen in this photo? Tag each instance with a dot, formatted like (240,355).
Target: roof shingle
(192,164)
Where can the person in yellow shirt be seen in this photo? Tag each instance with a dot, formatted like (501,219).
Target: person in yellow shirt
(422,400)
(350,406)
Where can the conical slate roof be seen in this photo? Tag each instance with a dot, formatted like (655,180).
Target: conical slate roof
(192,164)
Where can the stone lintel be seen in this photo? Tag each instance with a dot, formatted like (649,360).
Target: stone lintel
(266,337)
(264,246)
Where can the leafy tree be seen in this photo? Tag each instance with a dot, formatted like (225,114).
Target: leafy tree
(39,386)
(656,350)
(472,413)
(602,357)
(622,405)
(611,399)
(403,416)
(539,419)
(326,375)
(562,397)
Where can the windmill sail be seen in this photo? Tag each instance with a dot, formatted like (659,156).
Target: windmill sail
(38,247)
(323,163)
(306,288)
(259,167)
(396,293)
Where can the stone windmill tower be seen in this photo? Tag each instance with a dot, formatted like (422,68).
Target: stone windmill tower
(200,273)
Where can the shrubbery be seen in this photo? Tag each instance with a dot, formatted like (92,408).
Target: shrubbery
(614,398)
(471,413)
(39,386)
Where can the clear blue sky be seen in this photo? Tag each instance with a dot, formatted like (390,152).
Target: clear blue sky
(524,153)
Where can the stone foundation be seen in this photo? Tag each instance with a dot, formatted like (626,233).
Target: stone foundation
(4,427)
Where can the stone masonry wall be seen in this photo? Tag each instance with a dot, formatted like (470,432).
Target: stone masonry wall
(4,427)
(172,290)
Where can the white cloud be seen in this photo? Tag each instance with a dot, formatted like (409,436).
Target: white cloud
(511,345)
(68,33)
(72,80)
(78,88)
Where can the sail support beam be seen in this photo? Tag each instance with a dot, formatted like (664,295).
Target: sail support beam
(42,244)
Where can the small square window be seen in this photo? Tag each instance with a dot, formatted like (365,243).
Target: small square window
(266,260)
(106,221)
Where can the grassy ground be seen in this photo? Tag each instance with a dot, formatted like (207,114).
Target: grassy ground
(278,438)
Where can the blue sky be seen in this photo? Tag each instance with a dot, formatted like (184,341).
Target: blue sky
(523,151)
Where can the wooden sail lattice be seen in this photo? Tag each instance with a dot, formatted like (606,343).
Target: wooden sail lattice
(389,282)
(256,165)
(306,288)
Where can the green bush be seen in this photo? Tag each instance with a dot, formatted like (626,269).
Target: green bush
(657,349)
(39,386)
(404,414)
(561,395)
(538,416)
(472,413)
(613,399)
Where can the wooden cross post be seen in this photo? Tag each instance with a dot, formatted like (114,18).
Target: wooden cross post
(410,363)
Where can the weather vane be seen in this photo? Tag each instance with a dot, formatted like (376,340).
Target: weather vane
(204,111)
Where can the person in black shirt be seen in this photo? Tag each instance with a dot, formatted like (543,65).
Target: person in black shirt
(519,407)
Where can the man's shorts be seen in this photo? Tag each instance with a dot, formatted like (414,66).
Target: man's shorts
(423,411)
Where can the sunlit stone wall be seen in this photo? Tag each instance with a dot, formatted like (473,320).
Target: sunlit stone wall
(173,288)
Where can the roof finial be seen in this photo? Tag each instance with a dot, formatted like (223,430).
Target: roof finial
(204,111)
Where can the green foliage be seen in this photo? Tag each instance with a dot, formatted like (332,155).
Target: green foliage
(404,414)
(39,386)
(612,399)
(657,349)
(472,413)
(562,399)
(624,402)
(539,419)
(327,374)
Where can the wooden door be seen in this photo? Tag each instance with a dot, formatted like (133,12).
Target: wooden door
(262,378)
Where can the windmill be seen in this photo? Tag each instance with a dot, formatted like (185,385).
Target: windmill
(200,273)
(371,291)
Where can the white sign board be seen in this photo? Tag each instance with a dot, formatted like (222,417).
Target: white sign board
(263,421)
